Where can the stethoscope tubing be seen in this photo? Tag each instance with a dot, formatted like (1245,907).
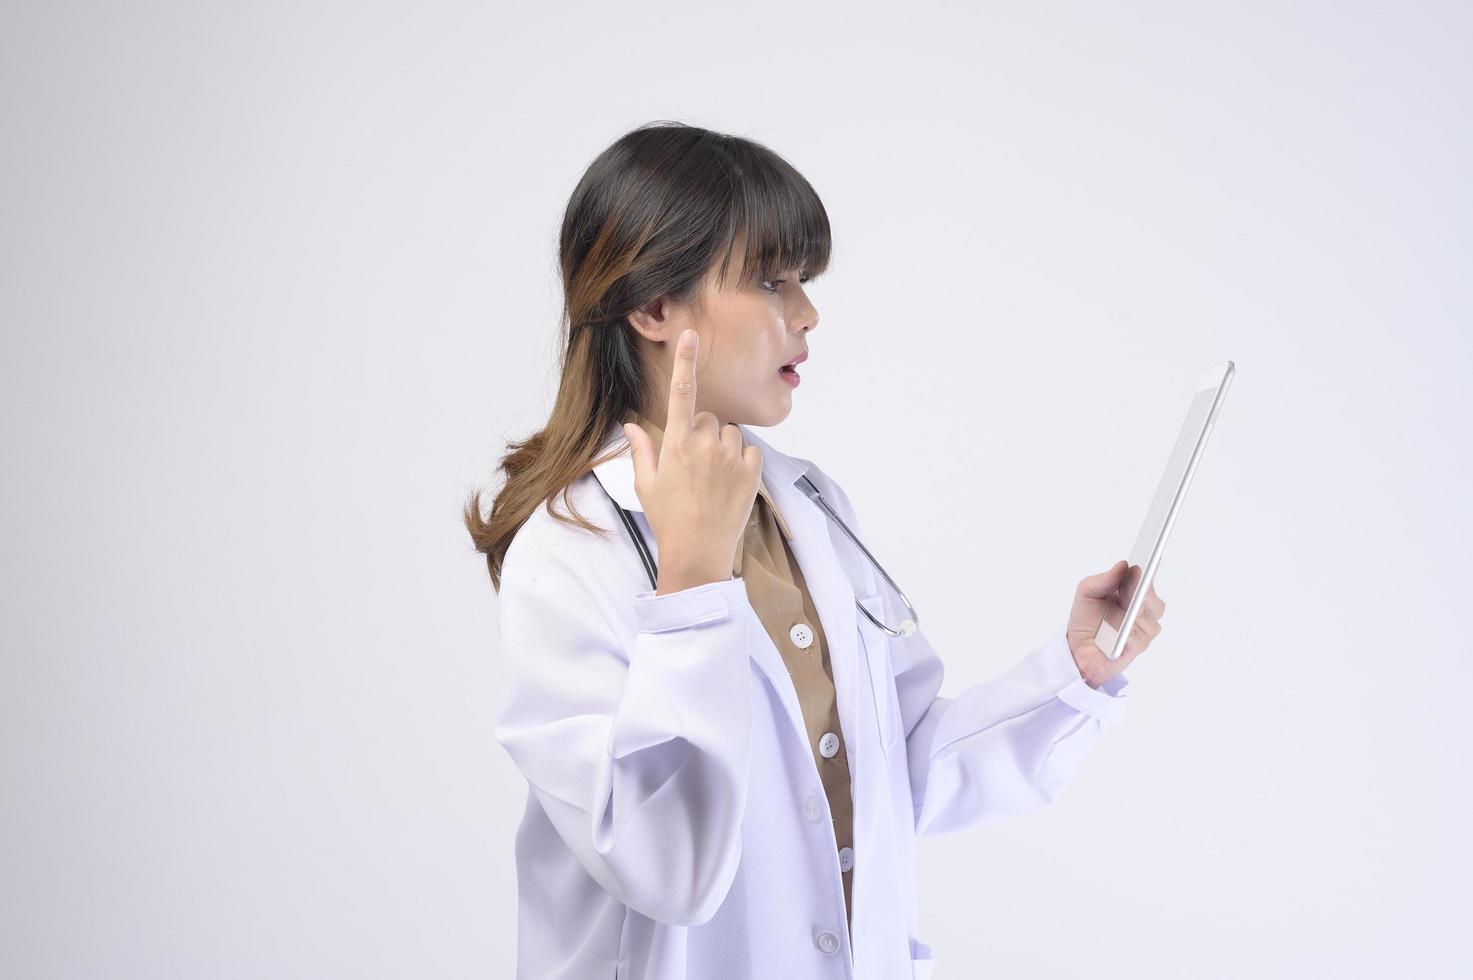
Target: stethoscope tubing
(652,571)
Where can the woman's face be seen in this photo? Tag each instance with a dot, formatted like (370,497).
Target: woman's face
(747,333)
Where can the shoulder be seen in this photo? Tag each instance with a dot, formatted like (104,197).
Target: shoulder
(555,546)
(582,498)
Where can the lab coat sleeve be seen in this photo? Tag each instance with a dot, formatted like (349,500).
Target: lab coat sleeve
(637,751)
(1004,746)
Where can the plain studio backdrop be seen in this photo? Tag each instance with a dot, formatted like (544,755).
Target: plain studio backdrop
(279,283)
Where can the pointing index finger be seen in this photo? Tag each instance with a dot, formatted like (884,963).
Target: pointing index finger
(681,415)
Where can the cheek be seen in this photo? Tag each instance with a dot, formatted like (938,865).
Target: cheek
(753,341)
(775,345)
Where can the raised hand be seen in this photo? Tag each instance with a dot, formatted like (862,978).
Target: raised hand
(698,493)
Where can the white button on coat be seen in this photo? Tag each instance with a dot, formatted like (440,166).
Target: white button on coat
(846,859)
(801,635)
(661,739)
(828,942)
(828,745)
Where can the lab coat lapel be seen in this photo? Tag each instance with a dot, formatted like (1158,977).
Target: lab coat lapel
(816,553)
(818,556)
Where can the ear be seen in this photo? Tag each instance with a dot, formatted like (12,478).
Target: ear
(656,320)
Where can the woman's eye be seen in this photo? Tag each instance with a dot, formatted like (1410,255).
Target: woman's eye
(763,283)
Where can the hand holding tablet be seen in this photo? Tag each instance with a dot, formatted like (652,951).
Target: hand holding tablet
(1108,607)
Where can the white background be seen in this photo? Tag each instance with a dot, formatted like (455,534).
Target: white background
(278,284)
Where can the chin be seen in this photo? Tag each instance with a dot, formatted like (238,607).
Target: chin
(771,415)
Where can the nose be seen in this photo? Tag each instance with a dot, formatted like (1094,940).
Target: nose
(806,318)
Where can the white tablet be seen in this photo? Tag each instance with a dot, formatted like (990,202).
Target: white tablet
(1145,557)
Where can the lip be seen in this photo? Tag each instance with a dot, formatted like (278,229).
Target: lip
(791,377)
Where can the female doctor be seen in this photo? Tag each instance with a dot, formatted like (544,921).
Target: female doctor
(731,735)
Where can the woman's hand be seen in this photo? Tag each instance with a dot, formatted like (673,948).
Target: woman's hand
(699,493)
(1098,596)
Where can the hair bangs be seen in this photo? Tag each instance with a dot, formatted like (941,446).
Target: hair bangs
(778,221)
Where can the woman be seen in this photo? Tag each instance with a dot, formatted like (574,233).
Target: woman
(728,768)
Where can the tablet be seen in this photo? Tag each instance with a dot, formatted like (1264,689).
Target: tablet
(1145,557)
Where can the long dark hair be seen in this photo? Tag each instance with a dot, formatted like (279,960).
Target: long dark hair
(652,216)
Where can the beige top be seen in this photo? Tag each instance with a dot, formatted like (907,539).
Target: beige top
(779,595)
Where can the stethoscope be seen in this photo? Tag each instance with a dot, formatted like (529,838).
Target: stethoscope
(906,628)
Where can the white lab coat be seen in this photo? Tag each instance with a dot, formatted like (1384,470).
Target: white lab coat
(675,824)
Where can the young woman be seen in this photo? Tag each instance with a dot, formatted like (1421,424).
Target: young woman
(728,760)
